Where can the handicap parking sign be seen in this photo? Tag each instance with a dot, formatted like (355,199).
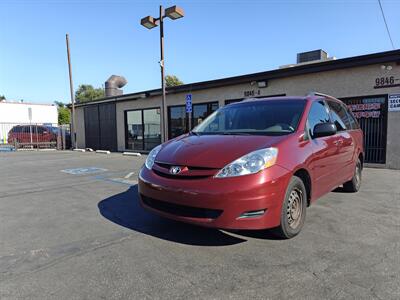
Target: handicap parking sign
(189,103)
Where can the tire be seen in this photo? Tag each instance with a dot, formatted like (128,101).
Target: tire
(293,212)
(353,185)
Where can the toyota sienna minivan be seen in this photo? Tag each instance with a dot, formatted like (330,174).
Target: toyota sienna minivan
(256,164)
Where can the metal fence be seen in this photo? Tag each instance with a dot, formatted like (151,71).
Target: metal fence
(35,136)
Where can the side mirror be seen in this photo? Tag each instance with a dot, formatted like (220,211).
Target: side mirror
(324,129)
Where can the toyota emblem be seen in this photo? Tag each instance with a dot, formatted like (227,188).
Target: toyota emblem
(175,170)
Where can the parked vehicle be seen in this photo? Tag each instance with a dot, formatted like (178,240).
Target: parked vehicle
(31,134)
(256,164)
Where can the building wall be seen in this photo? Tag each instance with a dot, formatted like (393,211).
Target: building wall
(19,113)
(351,82)
(80,127)
(393,141)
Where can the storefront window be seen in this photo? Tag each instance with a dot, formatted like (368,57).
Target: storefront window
(143,129)
(202,111)
(178,119)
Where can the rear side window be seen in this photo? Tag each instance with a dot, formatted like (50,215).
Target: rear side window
(318,114)
(339,116)
(353,120)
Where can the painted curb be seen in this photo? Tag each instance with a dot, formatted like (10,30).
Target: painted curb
(131,154)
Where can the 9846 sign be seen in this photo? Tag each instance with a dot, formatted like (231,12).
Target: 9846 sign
(388,81)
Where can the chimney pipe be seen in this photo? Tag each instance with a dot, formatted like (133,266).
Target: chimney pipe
(113,85)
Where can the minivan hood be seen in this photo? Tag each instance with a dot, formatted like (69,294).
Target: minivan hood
(212,151)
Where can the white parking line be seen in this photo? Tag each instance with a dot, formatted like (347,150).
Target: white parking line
(129,175)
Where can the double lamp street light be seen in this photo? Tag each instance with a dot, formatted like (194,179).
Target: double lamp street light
(173,12)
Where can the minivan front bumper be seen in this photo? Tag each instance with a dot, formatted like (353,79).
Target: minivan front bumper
(243,202)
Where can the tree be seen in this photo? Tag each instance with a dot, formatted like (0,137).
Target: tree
(172,80)
(2,97)
(59,104)
(64,114)
(87,92)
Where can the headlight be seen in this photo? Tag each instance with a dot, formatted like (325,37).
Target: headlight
(152,157)
(250,163)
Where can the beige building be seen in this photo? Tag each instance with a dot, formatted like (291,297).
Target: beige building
(369,84)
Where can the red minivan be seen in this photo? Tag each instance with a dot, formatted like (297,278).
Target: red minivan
(31,134)
(256,164)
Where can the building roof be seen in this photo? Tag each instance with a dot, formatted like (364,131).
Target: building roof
(321,66)
(24,103)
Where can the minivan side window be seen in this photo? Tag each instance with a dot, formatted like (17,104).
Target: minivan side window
(339,116)
(318,114)
(353,120)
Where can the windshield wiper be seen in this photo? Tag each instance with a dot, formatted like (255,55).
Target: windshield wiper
(193,133)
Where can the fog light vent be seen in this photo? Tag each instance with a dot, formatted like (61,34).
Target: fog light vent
(252,214)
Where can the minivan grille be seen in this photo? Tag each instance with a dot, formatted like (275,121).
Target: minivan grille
(188,172)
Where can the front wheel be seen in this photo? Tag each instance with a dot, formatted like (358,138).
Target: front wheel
(293,212)
(353,185)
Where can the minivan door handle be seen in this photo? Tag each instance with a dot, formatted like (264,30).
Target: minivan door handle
(338,142)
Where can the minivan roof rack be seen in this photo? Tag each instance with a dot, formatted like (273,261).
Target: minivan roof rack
(319,94)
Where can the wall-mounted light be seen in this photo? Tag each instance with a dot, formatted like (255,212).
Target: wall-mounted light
(383,67)
(262,84)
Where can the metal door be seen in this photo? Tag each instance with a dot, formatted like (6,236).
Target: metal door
(92,128)
(100,127)
(371,114)
(108,128)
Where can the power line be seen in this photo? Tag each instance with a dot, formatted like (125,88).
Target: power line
(387,27)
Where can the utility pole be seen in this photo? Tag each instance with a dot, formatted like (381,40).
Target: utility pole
(71,89)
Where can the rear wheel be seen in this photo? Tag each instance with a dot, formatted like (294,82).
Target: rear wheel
(293,212)
(354,184)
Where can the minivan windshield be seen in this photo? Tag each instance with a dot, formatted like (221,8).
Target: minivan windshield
(258,117)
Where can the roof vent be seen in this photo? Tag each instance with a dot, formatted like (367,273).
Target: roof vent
(113,85)
(311,56)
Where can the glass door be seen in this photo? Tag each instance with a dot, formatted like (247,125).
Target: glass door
(134,138)
(151,128)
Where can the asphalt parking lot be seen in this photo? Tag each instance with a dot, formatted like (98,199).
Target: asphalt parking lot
(67,234)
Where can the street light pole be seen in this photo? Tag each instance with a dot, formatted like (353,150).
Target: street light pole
(173,12)
(163,99)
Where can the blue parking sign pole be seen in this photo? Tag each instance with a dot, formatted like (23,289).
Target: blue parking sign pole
(189,109)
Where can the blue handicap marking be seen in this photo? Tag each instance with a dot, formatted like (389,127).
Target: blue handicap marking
(7,148)
(84,171)
(188,103)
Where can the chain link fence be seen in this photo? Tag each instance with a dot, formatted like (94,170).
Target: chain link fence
(34,136)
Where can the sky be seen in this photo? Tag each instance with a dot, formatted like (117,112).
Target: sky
(215,39)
